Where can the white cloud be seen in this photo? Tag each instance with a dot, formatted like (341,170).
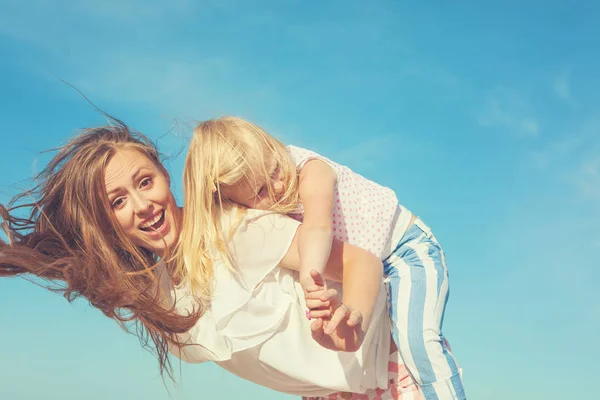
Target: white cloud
(368,155)
(555,152)
(59,24)
(562,87)
(588,177)
(529,126)
(574,158)
(120,51)
(507,109)
(188,86)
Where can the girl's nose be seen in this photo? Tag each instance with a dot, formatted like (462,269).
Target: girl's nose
(278,187)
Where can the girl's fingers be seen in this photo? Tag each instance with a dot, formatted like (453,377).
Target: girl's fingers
(330,295)
(315,295)
(316,304)
(320,313)
(314,288)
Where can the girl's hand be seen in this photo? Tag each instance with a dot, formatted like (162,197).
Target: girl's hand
(317,296)
(343,332)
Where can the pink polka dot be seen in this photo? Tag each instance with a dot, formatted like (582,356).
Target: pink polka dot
(363,211)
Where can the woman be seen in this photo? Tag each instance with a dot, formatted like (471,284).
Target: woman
(103,218)
(73,236)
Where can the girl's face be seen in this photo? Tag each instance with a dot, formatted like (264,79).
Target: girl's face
(141,200)
(253,192)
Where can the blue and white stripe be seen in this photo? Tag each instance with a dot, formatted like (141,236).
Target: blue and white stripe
(418,291)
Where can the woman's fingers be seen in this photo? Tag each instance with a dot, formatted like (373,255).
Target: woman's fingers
(355,318)
(316,329)
(316,325)
(339,315)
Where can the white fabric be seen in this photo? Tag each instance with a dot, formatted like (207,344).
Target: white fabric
(257,328)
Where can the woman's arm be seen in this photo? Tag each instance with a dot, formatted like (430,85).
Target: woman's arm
(359,271)
(266,240)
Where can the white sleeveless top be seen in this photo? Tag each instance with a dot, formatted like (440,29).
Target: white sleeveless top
(257,328)
(365,214)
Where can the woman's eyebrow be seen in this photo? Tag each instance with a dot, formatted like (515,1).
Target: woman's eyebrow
(140,171)
(113,191)
(134,177)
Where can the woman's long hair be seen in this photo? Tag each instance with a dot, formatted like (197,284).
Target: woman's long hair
(64,232)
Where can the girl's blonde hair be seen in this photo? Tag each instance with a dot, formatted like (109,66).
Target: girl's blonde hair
(222,153)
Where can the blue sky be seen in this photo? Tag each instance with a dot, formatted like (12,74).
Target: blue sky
(483,116)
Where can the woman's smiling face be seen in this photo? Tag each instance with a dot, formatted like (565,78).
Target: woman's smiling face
(141,200)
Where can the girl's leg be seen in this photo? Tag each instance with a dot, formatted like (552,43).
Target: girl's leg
(418,291)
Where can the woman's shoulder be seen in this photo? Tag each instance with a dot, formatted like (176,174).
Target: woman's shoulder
(257,241)
(250,233)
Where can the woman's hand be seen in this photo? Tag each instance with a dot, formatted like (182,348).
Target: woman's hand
(342,331)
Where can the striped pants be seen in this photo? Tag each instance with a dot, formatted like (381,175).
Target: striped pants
(417,292)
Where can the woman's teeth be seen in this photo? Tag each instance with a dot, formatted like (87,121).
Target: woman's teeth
(149,225)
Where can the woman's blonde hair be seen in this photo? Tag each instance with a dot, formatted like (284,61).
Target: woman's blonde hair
(222,153)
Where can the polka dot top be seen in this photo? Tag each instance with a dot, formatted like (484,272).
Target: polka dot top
(365,214)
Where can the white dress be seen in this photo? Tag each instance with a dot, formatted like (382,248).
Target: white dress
(256,327)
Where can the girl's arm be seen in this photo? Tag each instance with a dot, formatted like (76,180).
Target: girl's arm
(268,240)
(359,271)
(317,183)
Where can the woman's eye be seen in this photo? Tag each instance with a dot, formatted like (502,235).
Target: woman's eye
(118,202)
(262,191)
(145,182)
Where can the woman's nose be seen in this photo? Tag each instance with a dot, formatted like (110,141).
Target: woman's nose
(141,204)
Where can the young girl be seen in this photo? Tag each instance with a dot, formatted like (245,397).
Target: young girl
(334,202)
